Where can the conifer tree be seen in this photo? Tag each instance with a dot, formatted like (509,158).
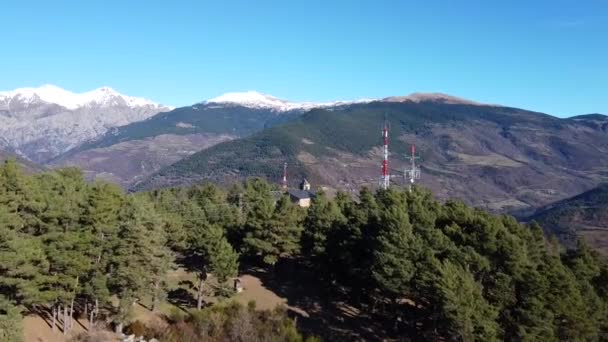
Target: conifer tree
(223,261)
(11,329)
(259,208)
(215,256)
(322,216)
(469,316)
(24,268)
(278,237)
(100,218)
(396,247)
(140,256)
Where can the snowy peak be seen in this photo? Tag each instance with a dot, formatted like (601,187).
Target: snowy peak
(101,97)
(254,99)
(433,97)
(42,123)
(251,99)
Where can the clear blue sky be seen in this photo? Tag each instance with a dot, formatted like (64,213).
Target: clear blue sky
(550,56)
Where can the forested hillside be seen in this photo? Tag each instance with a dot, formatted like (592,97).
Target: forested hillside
(498,158)
(128,154)
(196,119)
(414,268)
(585,215)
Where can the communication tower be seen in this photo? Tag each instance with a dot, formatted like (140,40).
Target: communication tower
(285,175)
(385,178)
(412,173)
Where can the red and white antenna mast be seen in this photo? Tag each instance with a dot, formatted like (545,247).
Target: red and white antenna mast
(413,172)
(285,175)
(385,179)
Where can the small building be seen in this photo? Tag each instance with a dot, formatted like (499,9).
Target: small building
(303,195)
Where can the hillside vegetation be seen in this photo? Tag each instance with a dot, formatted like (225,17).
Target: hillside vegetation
(499,158)
(196,119)
(585,215)
(25,164)
(416,269)
(354,129)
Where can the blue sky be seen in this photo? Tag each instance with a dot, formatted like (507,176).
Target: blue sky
(549,56)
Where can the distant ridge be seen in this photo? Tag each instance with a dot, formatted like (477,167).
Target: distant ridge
(584,215)
(102,97)
(434,97)
(254,99)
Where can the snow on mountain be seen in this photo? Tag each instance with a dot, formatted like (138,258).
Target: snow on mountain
(435,97)
(103,97)
(41,123)
(254,99)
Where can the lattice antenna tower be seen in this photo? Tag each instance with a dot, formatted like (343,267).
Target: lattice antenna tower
(412,173)
(284,176)
(385,177)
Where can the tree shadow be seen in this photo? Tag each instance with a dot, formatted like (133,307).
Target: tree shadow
(190,262)
(187,283)
(319,310)
(47,316)
(44,313)
(181,298)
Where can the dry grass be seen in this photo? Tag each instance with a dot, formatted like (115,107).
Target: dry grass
(253,290)
(597,239)
(307,158)
(487,160)
(36,329)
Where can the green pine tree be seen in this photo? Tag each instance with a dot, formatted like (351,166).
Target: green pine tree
(323,215)
(468,315)
(11,329)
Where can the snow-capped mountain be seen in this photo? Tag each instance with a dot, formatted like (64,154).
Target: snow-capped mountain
(101,97)
(254,99)
(434,97)
(41,123)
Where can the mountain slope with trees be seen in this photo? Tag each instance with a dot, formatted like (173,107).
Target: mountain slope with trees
(128,154)
(585,215)
(503,159)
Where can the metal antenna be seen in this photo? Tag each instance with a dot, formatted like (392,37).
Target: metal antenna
(285,175)
(385,178)
(412,173)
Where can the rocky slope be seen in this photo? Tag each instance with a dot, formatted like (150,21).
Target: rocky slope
(129,162)
(42,123)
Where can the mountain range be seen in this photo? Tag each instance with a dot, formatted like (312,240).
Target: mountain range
(500,158)
(130,153)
